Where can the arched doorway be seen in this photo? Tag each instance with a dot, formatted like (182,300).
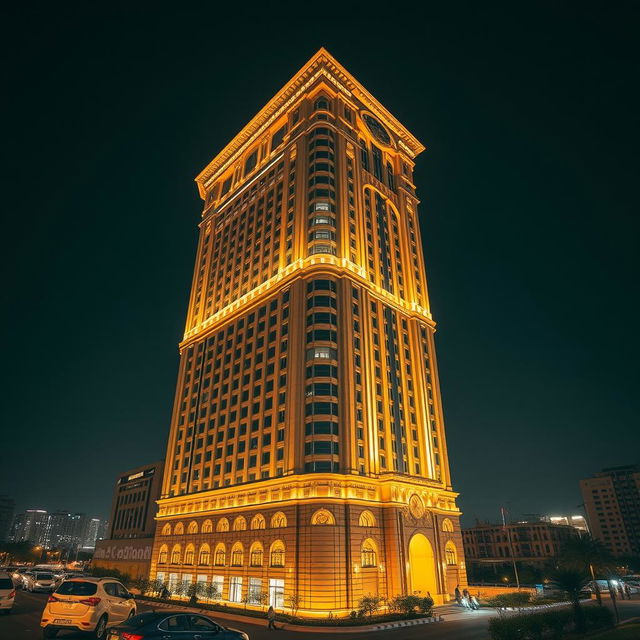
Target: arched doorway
(422,567)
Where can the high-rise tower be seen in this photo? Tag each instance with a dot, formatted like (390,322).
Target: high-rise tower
(307,453)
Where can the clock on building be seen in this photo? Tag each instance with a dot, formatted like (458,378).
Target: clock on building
(377,130)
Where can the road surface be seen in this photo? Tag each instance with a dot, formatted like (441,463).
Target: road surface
(24,624)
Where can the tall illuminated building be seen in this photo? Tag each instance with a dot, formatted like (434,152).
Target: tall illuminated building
(307,453)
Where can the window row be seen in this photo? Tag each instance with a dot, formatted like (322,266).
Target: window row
(258,521)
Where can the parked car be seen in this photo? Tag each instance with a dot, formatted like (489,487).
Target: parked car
(7,592)
(165,625)
(87,604)
(18,576)
(38,581)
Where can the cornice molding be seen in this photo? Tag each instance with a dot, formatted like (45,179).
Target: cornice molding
(321,64)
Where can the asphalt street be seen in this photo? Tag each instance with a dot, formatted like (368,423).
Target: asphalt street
(24,624)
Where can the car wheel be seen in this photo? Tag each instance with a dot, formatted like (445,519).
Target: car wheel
(49,633)
(101,628)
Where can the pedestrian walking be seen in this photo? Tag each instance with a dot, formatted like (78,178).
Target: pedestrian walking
(271,617)
(457,594)
(627,590)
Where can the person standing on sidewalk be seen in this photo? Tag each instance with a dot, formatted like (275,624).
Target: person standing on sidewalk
(271,617)
(457,594)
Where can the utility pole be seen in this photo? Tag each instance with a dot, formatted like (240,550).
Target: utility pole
(513,557)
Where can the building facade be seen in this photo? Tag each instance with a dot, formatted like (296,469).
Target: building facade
(7,508)
(307,455)
(30,526)
(127,547)
(533,543)
(612,503)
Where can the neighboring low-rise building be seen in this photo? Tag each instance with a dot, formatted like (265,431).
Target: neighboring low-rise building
(132,522)
(528,542)
(612,502)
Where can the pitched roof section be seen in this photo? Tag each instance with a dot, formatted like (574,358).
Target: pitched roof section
(322,63)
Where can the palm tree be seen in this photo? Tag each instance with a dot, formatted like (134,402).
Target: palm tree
(586,553)
(572,582)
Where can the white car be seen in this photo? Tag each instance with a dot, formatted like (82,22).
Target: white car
(7,592)
(18,576)
(39,581)
(87,604)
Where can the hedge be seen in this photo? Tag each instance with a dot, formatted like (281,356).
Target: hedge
(554,624)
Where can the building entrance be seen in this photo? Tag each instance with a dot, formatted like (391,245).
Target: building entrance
(422,567)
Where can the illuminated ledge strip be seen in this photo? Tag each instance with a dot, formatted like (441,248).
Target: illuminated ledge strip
(249,182)
(303,89)
(385,492)
(342,263)
(328,66)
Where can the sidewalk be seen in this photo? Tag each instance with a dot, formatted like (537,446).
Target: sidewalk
(262,622)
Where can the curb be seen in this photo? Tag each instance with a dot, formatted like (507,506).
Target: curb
(296,627)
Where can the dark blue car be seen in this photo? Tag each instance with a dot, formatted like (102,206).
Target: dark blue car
(167,625)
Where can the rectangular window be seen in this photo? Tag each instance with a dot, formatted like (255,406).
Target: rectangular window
(276,593)
(218,581)
(235,589)
(278,137)
(255,591)
(251,162)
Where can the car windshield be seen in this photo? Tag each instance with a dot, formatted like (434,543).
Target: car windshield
(5,583)
(142,619)
(44,576)
(77,588)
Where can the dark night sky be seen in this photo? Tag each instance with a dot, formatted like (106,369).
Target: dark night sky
(529,213)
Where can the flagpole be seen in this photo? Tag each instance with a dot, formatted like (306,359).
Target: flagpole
(513,558)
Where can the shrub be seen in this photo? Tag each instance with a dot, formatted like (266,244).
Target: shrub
(405,604)
(515,600)
(369,604)
(426,606)
(531,626)
(598,617)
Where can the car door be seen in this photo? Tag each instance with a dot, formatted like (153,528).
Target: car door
(125,604)
(114,603)
(204,628)
(175,628)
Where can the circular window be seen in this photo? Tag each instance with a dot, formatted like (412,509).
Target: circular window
(416,507)
(377,129)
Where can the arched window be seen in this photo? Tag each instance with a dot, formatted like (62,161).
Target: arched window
(176,554)
(258,521)
(193,527)
(321,103)
(278,520)
(179,529)
(368,553)
(276,554)
(323,516)
(240,524)
(207,526)
(447,525)
(166,530)
(220,556)
(223,525)
(189,554)
(450,554)
(204,557)
(237,555)
(256,555)
(367,519)
(162,556)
